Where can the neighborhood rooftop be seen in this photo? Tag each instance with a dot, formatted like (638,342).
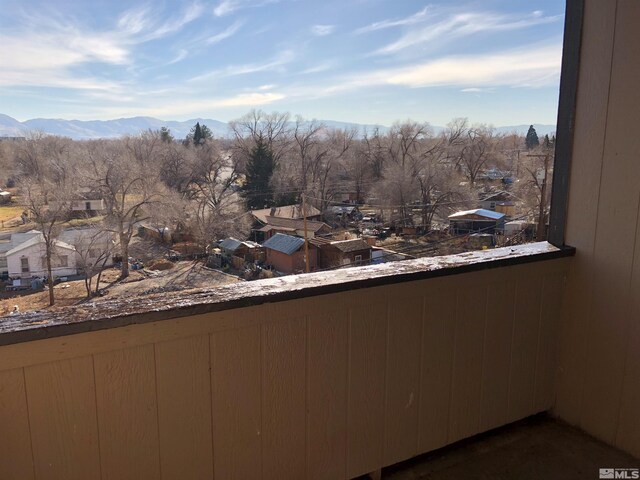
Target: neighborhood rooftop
(284,243)
(35,241)
(287,211)
(481,212)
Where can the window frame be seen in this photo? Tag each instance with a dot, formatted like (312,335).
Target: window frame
(565,125)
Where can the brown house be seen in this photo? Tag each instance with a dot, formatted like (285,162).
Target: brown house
(293,212)
(342,252)
(296,227)
(285,253)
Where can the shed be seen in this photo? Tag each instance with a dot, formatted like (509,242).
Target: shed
(499,201)
(478,220)
(286,253)
(5,197)
(343,252)
(247,250)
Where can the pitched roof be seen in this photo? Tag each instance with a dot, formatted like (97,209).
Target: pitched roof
(296,224)
(230,243)
(286,211)
(500,195)
(35,241)
(284,243)
(354,245)
(233,244)
(481,212)
(342,209)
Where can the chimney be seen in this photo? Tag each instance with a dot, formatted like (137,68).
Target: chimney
(272,212)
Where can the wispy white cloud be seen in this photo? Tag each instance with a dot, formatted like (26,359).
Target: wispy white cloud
(182,54)
(322,30)
(171,108)
(477,90)
(534,66)
(276,63)
(321,67)
(249,100)
(223,35)
(530,67)
(226,7)
(447,28)
(42,49)
(410,20)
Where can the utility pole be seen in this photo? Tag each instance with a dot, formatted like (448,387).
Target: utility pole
(306,242)
(540,231)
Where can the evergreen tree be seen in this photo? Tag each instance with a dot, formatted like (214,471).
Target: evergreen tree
(531,141)
(165,135)
(206,132)
(260,165)
(199,134)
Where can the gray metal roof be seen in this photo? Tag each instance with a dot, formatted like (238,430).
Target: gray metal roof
(230,244)
(481,212)
(284,243)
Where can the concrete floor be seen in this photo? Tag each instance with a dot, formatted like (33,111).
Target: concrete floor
(535,448)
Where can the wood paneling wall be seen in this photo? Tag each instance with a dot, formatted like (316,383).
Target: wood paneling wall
(599,376)
(327,387)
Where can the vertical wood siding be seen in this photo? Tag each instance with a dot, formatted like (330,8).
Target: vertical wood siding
(321,388)
(599,377)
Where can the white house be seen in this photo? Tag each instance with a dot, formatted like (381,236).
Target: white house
(90,244)
(28,259)
(9,242)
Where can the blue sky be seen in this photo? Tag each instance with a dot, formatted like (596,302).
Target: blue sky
(366,61)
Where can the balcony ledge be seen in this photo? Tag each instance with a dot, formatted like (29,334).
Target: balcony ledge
(60,321)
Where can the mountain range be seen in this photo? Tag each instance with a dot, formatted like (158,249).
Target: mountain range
(92,129)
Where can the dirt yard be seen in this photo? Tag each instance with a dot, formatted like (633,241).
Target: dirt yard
(183,275)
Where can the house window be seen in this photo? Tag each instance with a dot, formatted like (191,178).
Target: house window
(3,262)
(87,205)
(24,265)
(57,261)
(63,261)
(358,259)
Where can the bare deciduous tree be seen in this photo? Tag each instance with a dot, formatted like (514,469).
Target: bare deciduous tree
(124,173)
(94,248)
(48,206)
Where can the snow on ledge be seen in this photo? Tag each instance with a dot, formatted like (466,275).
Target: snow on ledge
(125,311)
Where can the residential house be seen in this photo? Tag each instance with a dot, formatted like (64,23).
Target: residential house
(9,242)
(342,252)
(286,253)
(5,197)
(244,251)
(287,220)
(90,243)
(293,212)
(478,220)
(85,203)
(28,259)
(500,201)
(289,226)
